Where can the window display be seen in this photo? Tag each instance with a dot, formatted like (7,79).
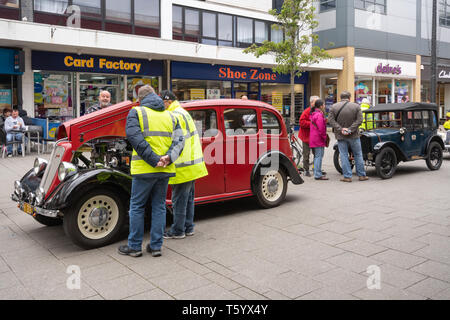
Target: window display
(201,89)
(384,91)
(134,83)
(363,89)
(403,91)
(92,84)
(271,90)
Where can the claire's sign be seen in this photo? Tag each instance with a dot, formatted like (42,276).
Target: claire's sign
(388,69)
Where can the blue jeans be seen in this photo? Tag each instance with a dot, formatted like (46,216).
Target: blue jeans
(318,156)
(14,136)
(183,208)
(141,190)
(355,145)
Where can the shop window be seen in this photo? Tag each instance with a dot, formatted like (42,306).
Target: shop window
(279,95)
(92,84)
(201,89)
(363,90)
(326,5)
(376,6)
(10,9)
(134,83)
(240,122)
(403,91)
(244,32)
(270,123)
(147,17)
(205,122)
(444,13)
(384,91)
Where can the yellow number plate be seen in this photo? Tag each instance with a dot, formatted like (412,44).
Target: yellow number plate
(27,208)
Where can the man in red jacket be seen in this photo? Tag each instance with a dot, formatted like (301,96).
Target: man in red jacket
(303,134)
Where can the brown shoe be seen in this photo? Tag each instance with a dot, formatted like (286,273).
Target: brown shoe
(322,178)
(346,180)
(363,178)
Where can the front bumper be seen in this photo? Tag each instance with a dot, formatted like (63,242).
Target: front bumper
(34,210)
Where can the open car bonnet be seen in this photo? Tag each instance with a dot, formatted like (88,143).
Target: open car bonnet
(108,122)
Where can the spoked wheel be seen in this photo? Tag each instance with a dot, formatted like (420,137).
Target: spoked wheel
(337,161)
(435,154)
(386,163)
(272,188)
(96,219)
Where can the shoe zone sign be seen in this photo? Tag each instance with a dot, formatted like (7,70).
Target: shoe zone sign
(59,61)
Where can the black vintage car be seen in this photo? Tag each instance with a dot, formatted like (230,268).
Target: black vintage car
(399,132)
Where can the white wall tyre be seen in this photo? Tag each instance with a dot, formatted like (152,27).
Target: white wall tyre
(96,219)
(272,188)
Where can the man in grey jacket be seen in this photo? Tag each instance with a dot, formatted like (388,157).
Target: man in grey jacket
(345,117)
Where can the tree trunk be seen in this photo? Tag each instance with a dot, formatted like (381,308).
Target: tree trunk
(292,117)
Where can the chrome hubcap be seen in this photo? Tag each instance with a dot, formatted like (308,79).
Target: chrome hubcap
(98,217)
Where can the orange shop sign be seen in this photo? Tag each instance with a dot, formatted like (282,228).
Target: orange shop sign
(251,74)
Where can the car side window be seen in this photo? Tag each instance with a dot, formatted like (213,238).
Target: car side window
(205,122)
(240,122)
(418,120)
(426,119)
(409,121)
(270,123)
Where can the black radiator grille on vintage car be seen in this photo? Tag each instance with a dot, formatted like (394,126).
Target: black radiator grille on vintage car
(366,144)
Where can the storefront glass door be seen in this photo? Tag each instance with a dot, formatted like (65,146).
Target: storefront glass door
(92,84)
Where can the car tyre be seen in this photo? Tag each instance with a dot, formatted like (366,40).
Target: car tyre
(271,188)
(386,163)
(96,219)
(434,156)
(337,161)
(48,221)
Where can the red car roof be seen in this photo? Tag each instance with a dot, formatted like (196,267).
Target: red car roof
(227,103)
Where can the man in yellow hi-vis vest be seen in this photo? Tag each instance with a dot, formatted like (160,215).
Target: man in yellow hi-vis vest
(447,122)
(189,167)
(157,141)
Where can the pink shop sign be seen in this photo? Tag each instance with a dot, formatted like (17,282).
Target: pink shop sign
(388,69)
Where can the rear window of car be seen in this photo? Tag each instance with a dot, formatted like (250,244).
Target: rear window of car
(240,122)
(205,122)
(270,123)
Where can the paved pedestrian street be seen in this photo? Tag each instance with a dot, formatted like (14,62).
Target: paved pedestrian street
(380,239)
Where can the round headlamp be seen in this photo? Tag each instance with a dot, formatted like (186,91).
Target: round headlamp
(39,165)
(65,170)
(39,195)
(17,187)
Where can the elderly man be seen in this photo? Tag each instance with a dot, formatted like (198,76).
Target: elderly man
(157,140)
(104,101)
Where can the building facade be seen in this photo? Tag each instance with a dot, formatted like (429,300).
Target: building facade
(386,46)
(72,49)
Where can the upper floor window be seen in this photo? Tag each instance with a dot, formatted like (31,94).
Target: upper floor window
(444,13)
(10,3)
(51,6)
(10,9)
(277,4)
(326,5)
(376,6)
(89,8)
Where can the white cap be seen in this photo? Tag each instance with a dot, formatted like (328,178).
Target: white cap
(365,101)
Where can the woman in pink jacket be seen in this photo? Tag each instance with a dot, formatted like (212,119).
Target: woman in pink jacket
(318,137)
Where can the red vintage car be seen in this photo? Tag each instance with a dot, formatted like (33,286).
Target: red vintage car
(86,183)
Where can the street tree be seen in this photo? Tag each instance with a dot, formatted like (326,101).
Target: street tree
(298,50)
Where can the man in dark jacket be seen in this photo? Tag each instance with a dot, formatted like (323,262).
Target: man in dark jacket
(157,140)
(345,117)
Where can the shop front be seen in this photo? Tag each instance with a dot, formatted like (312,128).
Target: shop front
(11,67)
(67,84)
(443,87)
(194,81)
(384,81)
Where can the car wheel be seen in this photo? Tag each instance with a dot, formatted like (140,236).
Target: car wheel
(47,221)
(296,156)
(434,157)
(96,219)
(272,188)
(337,161)
(386,163)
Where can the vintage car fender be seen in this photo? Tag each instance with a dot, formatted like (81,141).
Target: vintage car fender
(284,162)
(79,183)
(436,138)
(381,145)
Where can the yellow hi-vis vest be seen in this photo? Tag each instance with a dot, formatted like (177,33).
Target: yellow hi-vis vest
(447,125)
(367,123)
(157,128)
(190,165)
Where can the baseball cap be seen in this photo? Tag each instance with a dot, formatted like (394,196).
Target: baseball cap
(168,95)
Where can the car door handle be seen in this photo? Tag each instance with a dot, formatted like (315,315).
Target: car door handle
(261,142)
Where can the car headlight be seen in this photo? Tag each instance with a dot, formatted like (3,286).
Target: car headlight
(39,165)
(66,169)
(39,195)
(17,188)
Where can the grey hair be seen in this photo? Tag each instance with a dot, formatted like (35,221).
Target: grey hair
(313,99)
(145,91)
(346,95)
